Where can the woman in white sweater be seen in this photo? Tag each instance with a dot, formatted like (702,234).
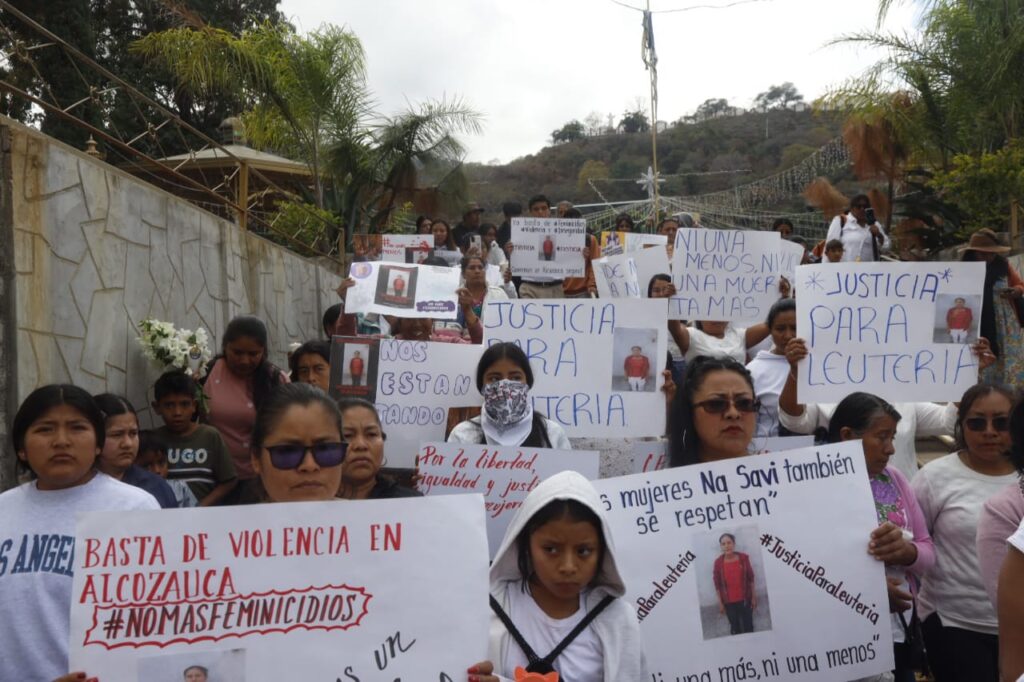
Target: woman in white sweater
(959,622)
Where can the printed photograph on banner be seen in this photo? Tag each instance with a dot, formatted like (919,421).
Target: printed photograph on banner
(396,286)
(612,243)
(416,254)
(731,583)
(957,318)
(354,363)
(199,666)
(546,247)
(633,369)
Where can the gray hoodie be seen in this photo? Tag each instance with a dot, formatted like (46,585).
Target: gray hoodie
(616,627)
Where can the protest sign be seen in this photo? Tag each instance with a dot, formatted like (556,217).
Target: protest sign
(649,455)
(418,382)
(628,275)
(548,247)
(615,243)
(596,363)
(495,278)
(405,248)
(728,275)
(504,475)
(367,247)
(354,367)
(453,257)
(882,328)
(800,521)
(404,290)
(270,592)
(764,444)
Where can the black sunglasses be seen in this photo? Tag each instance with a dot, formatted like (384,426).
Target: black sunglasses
(721,405)
(981,423)
(290,455)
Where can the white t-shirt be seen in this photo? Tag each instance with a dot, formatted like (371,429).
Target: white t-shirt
(770,372)
(951,496)
(1017,539)
(732,345)
(37,561)
(856,239)
(581,661)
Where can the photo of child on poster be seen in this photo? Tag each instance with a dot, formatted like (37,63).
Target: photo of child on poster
(199,666)
(547,247)
(354,367)
(957,318)
(396,286)
(731,582)
(633,363)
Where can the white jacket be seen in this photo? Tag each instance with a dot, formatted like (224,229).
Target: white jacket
(616,627)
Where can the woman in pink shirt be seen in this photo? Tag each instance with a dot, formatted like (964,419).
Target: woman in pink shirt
(239,380)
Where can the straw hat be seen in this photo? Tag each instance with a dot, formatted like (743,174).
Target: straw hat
(985,240)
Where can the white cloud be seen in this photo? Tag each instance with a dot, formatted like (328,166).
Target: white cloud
(531,65)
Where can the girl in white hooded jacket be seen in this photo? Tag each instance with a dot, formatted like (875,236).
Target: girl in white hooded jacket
(556,593)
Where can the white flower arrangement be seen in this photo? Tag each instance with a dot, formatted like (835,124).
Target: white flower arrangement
(175,349)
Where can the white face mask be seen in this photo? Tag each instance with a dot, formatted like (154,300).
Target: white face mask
(506,402)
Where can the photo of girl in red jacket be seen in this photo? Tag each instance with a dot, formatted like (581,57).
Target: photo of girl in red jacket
(636,368)
(734,582)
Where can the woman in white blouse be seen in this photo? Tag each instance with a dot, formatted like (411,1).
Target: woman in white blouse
(862,236)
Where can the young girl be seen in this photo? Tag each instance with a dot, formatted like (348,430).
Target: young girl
(771,368)
(714,413)
(121,447)
(57,434)
(901,539)
(504,378)
(555,571)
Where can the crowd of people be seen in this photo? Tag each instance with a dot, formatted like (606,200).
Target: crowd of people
(949,533)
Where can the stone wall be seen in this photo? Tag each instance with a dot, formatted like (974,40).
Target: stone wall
(97,250)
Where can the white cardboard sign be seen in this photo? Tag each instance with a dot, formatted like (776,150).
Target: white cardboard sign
(882,328)
(268,592)
(417,383)
(504,475)
(578,350)
(404,290)
(548,247)
(728,275)
(405,248)
(628,275)
(802,520)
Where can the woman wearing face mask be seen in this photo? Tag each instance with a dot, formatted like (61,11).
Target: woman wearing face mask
(504,378)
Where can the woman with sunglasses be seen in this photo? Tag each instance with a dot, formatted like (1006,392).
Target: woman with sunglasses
(862,236)
(360,475)
(958,620)
(714,413)
(901,540)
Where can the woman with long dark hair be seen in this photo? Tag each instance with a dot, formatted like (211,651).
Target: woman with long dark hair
(240,380)
(505,378)
(1002,298)
(734,583)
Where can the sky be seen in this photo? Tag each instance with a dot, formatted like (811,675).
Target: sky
(530,66)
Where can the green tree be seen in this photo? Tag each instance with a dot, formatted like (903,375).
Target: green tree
(984,185)
(778,97)
(571,131)
(711,108)
(635,122)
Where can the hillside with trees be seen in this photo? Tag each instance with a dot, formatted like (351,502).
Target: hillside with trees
(715,149)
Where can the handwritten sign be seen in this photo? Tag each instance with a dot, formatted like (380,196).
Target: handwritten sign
(418,382)
(268,592)
(596,363)
(628,275)
(616,243)
(548,247)
(764,444)
(871,327)
(405,248)
(404,290)
(504,475)
(649,455)
(799,522)
(728,275)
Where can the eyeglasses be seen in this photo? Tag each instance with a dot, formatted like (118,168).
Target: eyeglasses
(722,405)
(290,455)
(981,423)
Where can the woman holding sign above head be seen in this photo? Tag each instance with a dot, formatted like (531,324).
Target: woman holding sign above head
(714,413)
(58,434)
(920,420)
(1002,311)
(901,539)
(557,595)
(959,622)
(505,378)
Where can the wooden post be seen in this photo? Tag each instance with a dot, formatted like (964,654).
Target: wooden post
(243,195)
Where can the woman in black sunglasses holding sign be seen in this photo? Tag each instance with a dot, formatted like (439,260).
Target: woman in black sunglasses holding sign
(959,622)
(714,413)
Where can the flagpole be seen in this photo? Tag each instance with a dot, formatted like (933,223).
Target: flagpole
(651,61)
